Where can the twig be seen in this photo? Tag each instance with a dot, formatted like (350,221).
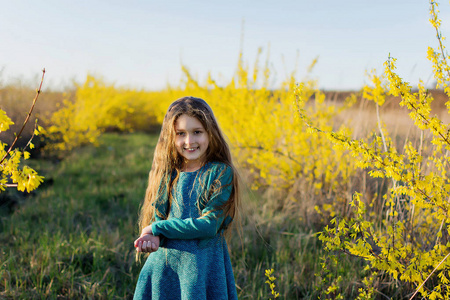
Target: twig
(27,118)
(32,136)
(384,295)
(429,276)
(275,152)
(10,185)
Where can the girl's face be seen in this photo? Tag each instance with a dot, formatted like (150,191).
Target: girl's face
(191,141)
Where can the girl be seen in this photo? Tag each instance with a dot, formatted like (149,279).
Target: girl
(191,199)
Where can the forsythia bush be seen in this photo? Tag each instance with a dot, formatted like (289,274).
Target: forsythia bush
(98,107)
(23,178)
(255,118)
(265,135)
(407,242)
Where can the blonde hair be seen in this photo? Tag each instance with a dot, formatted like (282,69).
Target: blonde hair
(166,159)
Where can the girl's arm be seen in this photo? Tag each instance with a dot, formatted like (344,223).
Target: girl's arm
(203,227)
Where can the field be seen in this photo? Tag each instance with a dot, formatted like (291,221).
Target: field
(72,238)
(345,193)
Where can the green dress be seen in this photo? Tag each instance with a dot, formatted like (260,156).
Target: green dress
(193,260)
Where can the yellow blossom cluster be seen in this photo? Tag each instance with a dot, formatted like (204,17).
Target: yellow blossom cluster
(98,107)
(23,178)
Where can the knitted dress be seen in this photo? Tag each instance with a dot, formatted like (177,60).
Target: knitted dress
(192,261)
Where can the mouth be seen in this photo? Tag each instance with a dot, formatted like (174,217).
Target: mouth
(191,149)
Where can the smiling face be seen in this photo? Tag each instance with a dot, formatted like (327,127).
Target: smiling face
(191,141)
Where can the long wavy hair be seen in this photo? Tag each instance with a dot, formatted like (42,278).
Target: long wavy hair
(167,161)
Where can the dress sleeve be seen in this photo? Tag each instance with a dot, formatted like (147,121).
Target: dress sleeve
(205,226)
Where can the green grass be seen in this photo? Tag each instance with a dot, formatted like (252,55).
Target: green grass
(74,237)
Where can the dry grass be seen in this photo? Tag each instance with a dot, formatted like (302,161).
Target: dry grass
(16,101)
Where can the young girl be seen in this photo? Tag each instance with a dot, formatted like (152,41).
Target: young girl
(191,199)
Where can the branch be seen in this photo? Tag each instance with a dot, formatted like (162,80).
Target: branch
(8,185)
(26,120)
(32,136)
(429,276)
(427,122)
(273,151)
(439,37)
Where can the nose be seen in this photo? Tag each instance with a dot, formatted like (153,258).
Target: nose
(189,139)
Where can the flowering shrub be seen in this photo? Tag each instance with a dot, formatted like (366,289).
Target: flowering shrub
(98,107)
(408,238)
(256,119)
(23,178)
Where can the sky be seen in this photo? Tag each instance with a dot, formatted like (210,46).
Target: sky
(143,44)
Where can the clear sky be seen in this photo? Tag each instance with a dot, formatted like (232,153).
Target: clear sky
(142,44)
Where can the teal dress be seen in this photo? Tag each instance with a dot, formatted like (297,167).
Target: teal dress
(193,260)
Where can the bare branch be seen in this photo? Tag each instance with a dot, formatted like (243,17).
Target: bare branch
(429,276)
(26,120)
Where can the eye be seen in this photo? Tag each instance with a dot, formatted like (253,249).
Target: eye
(197,132)
(180,133)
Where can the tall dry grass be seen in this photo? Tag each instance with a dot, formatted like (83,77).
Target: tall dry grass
(16,99)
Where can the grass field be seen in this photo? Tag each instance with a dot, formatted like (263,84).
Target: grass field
(73,238)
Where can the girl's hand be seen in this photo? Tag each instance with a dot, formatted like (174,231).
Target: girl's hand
(147,230)
(147,243)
